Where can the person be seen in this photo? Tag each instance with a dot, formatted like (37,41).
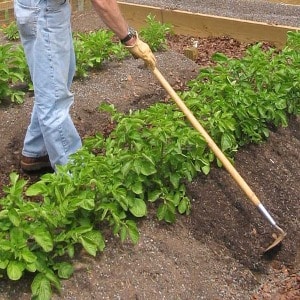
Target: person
(46,36)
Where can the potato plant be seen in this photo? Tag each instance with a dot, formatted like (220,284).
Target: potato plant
(11,73)
(155,33)
(91,50)
(146,160)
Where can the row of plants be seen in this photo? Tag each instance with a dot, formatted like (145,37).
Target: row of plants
(145,161)
(239,100)
(91,50)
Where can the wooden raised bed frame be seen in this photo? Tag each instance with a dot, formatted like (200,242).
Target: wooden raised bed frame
(207,25)
(201,25)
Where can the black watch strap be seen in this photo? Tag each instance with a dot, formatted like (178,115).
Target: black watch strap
(131,33)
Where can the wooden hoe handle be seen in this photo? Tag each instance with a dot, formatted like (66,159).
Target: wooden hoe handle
(219,154)
(213,146)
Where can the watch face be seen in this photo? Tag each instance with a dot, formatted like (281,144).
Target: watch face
(131,32)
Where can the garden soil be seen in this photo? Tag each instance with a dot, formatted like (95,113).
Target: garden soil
(216,252)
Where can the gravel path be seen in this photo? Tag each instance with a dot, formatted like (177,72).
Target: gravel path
(253,10)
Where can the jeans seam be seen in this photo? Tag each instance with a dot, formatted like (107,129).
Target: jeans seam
(60,129)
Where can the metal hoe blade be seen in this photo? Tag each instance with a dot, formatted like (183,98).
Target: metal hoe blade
(277,240)
(281,235)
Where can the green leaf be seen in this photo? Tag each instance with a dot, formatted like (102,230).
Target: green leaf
(80,230)
(266,132)
(87,204)
(175,179)
(71,251)
(3,214)
(92,241)
(97,237)
(219,57)
(147,166)
(13,178)
(226,142)
(43,238)
(153,195)
(126,168)
(133,231)
(15,270)
(148,169)
(88,245)
(53,279)
(35,189)
(137,187)
(41,288)
(14,217)
(281,104)
(17,237)
(3,264)
(206,169)
(170,213)
(28,256)
(123,233)
(219,163)
(138,208)
(161,211)
(64,270)
(182,206)
(5,245)
(31,267)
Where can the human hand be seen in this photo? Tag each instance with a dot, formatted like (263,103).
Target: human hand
(142,50)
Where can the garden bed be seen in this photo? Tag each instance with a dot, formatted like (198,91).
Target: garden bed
(214,253)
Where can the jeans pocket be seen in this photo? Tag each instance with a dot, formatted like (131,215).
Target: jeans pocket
(55,5)
(26,14)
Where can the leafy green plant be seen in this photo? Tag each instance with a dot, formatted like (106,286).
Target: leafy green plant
(145,161)
(239,99)
(109,189)
(293,40)
(10,31)
(11,58)
(155,33)
(40,237)
(93,48)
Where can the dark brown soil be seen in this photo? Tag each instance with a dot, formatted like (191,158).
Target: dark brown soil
(217,251)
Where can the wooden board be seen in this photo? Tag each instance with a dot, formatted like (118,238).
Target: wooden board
(207,25)
(291,2)
(190,23)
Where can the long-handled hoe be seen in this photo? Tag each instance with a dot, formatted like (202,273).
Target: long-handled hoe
(226,163)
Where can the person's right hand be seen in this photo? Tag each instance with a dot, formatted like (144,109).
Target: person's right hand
(142,50)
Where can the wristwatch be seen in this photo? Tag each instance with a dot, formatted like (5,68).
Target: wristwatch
(130,34)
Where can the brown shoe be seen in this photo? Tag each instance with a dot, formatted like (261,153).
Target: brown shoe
(35,163)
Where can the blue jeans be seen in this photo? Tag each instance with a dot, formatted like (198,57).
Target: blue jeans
(45,31)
